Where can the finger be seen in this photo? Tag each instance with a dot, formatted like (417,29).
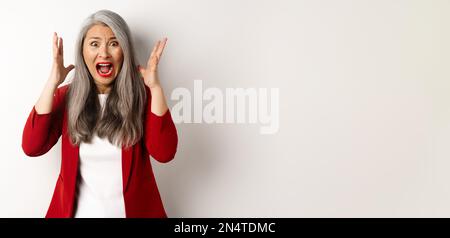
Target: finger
(161,48)
(141,70)
(70,67)
(55,44)
(155,48)
(60,47)
(153,54)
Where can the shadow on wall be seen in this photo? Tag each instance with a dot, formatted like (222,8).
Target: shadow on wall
(142,47)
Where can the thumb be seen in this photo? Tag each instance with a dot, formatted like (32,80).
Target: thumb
(70,67)
(141,70)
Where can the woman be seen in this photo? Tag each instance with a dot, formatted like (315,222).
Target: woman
(111,117)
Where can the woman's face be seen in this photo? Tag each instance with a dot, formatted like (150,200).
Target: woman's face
(103,56)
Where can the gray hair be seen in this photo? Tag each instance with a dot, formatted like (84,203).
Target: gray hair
(122,120)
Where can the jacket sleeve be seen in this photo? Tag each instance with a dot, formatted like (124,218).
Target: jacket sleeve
(42,131)
(161,137)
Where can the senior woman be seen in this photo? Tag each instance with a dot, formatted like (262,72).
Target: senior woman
(111,117)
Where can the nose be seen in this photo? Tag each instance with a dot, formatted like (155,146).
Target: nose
(103,53)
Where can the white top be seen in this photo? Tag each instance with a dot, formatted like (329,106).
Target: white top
(100,186)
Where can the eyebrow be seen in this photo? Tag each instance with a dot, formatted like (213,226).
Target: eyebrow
(99,38)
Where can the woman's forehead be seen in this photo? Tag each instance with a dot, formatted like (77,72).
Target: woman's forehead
(100,32)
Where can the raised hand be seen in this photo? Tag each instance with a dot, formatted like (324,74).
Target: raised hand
(58,72)
(150,73)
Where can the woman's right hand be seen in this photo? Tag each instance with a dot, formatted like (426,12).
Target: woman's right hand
(59,72)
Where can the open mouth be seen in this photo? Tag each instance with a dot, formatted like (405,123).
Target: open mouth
(104,69)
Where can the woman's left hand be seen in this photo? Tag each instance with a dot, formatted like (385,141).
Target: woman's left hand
(150,74)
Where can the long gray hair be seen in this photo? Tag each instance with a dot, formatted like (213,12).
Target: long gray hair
(122,120)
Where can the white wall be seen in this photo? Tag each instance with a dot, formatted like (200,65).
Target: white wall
(364,104)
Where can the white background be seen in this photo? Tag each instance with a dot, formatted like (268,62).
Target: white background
(364,104)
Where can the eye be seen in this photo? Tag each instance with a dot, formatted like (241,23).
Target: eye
(94,43)
(114,43)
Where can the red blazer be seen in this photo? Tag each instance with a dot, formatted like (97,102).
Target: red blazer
(141,195)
